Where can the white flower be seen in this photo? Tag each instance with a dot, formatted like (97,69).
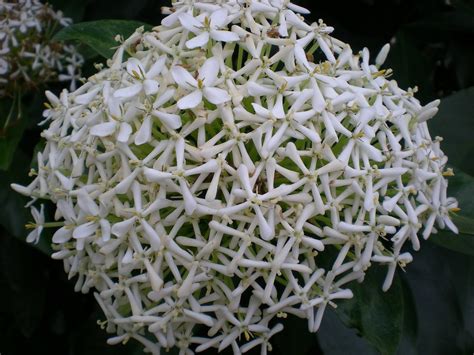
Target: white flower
(30,21)
(37,226)
(207,27)
(200,187)
(202,86)
(141,80)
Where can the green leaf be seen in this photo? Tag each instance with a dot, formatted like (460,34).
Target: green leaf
(335,338)
(99,35)
(377,316)
(455,124)
(446,22)
(464,224)
(442,285)
(410,319)
(71,8)
(295,337)
(9,142)
(410,64)
(461,186)
(25,292)
(10,135)
(461,243)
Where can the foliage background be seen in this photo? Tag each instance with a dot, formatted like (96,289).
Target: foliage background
(429,309)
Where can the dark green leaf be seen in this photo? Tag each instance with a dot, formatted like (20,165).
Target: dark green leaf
(71,8)
(335,338)
(464,224)
(461,186)
(295,337)
(25,284)
(442,22)
(10,132)
(99,35)
(377,316)
(455,124)
(441,281)
(462,243)
(462,61)
(9,142)
(410,319)
(410,64)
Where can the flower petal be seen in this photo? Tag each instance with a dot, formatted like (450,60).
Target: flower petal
(224,36)
(86,98)
(172,18)
(171,120)
(216,96)
(190,203)
(156,68)
(198,41)
(86,203)
(84,230)
(219,18)
(297,8)
(189,22)
(278,111)
(135,68)
(300,57)
(164,98)
(144,133)
(151,235)
(208,72)
(260,110)
(62,235)
(182,77)
(283,28)
(150,86)
(103,129)
(191,100)
(255,89)
(124,132)
(154,175)
(128,92)
(121,228)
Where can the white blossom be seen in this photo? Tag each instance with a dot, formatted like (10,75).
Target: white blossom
(201,181)
(28,53)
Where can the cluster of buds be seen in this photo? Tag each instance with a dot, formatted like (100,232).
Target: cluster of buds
(29,57)
(237,166)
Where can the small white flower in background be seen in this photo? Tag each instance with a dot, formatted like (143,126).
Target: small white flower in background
(26,51)
(201,181)
(37,225)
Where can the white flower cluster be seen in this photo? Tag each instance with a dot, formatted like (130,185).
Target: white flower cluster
(239,165)
(28,55)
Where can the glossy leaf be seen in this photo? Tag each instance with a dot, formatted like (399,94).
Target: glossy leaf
(99,35)
(10,135)
(295,337)
(454,21)
(378,316)
(455,124)
(335,338)
(441,281)
(410,64)
(23,289)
